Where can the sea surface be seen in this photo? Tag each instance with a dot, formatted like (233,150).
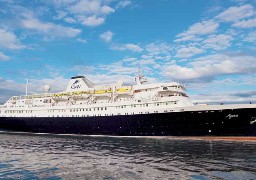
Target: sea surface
(108,158)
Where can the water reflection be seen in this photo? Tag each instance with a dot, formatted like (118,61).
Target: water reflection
(65,157)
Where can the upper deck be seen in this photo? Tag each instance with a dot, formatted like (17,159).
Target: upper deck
(82,91)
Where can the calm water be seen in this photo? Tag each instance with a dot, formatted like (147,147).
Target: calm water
(65,157)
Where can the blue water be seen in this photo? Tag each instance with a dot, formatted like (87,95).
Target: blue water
(108,158)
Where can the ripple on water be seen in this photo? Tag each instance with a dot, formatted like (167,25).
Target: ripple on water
(85,157)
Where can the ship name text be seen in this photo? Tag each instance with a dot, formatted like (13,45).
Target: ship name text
(230,116)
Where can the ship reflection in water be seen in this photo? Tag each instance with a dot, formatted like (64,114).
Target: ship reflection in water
(77,157)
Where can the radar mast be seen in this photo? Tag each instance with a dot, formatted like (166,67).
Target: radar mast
(140,78)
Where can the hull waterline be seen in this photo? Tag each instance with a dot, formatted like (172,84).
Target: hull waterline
(236,122)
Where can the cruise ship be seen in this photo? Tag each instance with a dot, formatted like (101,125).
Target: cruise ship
(142,109)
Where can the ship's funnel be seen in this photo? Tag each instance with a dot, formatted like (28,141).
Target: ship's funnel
(79,83)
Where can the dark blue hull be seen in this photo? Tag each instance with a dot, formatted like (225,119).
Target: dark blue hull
(237,122)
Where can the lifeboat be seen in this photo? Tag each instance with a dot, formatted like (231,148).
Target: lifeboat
(103,92)
(81,96)
(28,102)
(60,96)
(124,90)
(13,102)
(75,95)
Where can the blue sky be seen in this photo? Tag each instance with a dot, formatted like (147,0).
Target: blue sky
(209,45)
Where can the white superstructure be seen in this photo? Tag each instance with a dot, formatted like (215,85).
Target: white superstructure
(82,98)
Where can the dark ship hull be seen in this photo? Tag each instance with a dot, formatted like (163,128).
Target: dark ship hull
(236,122)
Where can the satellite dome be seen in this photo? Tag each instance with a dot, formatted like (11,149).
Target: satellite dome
(47,88)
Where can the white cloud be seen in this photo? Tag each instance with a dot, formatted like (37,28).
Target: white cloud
(146,62)
(111,78)
(106,36)
(85,12)
(123,70)
(188,38)
(131,47)
(81,40)
(245,23)
(159,48)
(60,15)
(201,28)
(107,10)
(227,89)
(188,52)
(92,20)
(217,42)
(225,97)
(123,4)
(9,40)
(57,84)
(61,3)
(8,88)
(251,37)
(49,28)
(82,69)
(127,66)
(235,13)
(129,59)
(91,7)
(3,57)
(208,67)
(69,20)
(117,68)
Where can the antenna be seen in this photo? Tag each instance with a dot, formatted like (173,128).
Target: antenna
(27,87)
(139,69)
(140,79)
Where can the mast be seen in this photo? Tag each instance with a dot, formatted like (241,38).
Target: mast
(140,78)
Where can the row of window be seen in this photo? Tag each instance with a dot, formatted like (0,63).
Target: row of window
(117,114)
(79,110)
(165,103)
(18,111)
(97,108)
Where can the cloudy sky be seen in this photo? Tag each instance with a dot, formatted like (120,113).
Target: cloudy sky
(208,45)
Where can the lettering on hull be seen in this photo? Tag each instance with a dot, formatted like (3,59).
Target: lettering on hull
(230,116)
